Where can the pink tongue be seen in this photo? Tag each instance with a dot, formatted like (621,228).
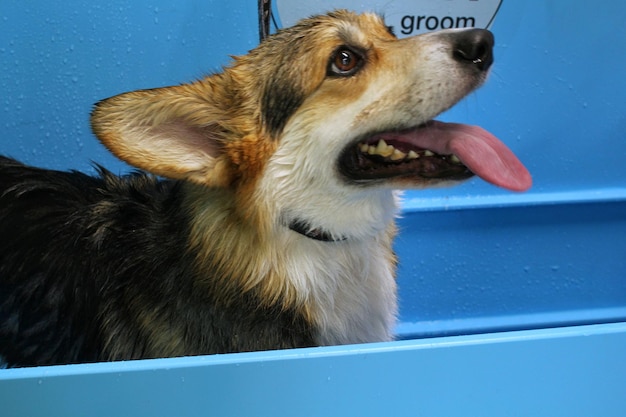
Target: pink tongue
(479,151)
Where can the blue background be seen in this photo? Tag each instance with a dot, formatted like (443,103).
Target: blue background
(474,259)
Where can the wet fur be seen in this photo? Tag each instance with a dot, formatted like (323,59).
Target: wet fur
(111,268)
(71,293)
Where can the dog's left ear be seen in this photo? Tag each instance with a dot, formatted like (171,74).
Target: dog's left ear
(171,132)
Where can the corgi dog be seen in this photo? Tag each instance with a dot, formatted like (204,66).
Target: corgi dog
(266,217)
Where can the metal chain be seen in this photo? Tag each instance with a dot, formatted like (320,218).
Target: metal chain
(265,11)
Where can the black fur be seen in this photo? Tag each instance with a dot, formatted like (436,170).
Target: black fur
(283,93)
(99,268)
(280,102)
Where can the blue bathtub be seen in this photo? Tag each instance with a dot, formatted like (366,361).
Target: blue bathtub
(510,304)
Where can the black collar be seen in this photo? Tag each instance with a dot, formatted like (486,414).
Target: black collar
(317,234)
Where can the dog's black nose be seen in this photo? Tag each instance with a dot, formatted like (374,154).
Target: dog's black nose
(474,46)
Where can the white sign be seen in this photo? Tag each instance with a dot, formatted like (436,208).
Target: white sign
(407,17)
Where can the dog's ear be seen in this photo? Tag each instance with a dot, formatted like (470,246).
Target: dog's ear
(172,132)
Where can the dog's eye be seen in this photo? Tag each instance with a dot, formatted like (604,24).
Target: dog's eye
(345,62)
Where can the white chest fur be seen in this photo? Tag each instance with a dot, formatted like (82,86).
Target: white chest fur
(349,287)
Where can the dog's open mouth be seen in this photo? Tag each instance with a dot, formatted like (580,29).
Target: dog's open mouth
(435,151)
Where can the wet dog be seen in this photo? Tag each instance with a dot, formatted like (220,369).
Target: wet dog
(273,223)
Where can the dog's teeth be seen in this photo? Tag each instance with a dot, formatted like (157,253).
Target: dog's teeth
(383,149)
(397,155)
(381,146)
(455,159)
(428,153)
(389,152)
